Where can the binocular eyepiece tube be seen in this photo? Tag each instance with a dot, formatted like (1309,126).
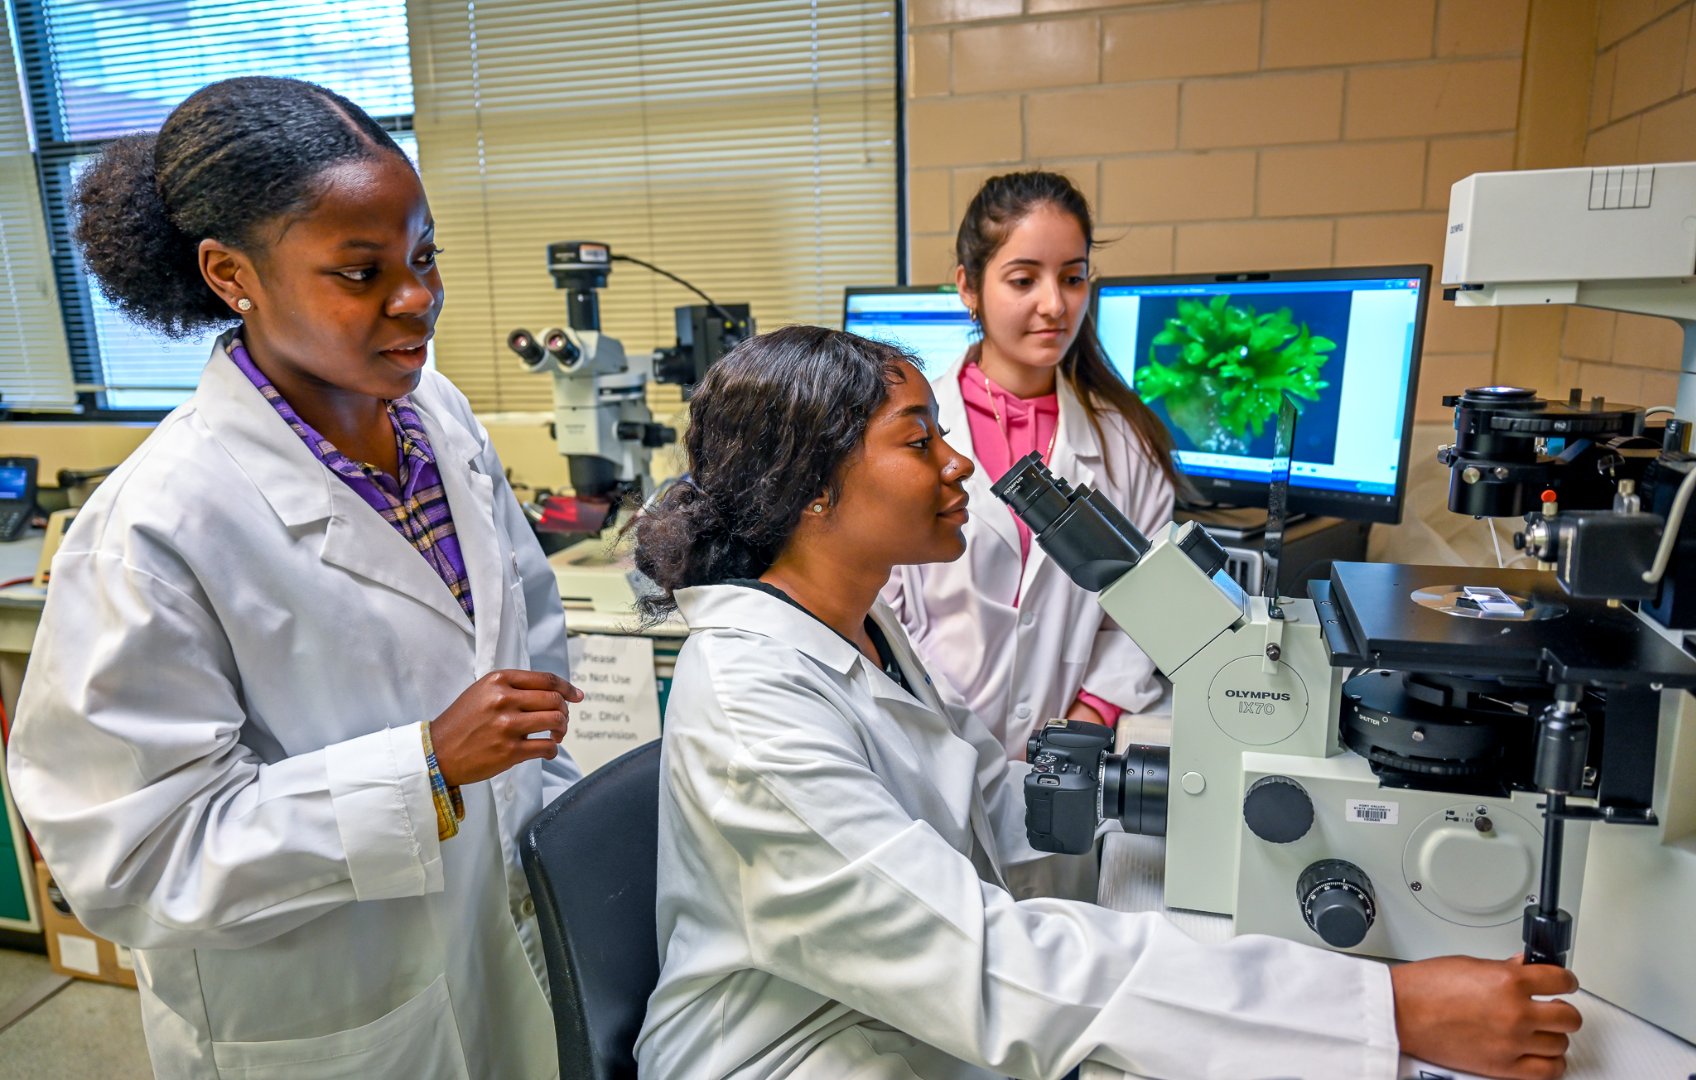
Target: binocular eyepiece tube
(1083,532)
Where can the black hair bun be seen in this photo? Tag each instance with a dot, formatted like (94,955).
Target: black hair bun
(144,264)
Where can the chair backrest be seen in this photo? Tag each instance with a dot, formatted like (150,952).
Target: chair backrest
(590,858)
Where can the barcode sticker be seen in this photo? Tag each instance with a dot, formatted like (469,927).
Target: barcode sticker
(1372,813)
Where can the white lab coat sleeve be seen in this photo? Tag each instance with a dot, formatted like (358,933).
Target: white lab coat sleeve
(846,894)
(161,826)
(1117,670)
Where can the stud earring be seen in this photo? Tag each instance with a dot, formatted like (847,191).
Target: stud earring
(818,508)
(244,304)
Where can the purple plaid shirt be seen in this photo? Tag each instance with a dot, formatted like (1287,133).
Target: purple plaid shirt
(416,506)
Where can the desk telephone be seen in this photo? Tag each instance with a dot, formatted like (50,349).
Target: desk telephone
(17,495)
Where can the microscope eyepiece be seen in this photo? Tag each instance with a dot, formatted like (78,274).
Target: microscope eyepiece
(559,346)
(1083,532)
(524,343)
(1034,493)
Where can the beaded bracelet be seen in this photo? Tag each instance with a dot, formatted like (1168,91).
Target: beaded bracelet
(450,807)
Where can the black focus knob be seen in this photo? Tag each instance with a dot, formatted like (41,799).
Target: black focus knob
(1336,900)
(1277,809)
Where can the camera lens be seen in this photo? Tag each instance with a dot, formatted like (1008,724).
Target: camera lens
(1134,786)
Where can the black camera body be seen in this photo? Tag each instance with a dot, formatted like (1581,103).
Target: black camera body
(1064,785)
(1076,782)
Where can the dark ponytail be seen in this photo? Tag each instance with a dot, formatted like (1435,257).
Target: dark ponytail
(233,157)
(1000,204)
(770,429)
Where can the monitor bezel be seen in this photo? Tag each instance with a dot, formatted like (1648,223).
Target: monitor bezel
(1385,510)
(851,291)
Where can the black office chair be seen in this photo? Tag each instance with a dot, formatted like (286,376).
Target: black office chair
(590,859)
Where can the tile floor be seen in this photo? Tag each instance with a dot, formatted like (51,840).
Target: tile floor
(81,1030)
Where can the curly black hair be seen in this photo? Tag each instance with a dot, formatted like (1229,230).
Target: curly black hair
(771,426)
(234,156)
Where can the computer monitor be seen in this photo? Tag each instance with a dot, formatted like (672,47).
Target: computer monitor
(928,321)
(1210,354)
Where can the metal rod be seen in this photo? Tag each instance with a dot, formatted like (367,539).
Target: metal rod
(1554,826)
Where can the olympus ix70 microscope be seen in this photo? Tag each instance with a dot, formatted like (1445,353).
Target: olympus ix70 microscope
(602,423)
(1424,760)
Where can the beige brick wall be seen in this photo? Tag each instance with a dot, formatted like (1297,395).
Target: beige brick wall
(1235,134)
(1642,111)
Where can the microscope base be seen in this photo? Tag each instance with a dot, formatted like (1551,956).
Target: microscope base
(1449,873)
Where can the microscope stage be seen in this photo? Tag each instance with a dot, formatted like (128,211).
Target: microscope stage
(1440,618)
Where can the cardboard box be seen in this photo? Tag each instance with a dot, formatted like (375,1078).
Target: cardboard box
(71,949)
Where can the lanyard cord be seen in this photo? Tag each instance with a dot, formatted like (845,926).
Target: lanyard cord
(1001,424)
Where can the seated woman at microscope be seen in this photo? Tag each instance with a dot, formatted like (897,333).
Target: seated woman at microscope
(845,887)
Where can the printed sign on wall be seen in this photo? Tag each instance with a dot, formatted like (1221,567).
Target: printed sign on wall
(620,709)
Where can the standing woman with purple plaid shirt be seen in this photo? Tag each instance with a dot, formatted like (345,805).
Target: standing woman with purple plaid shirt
(301,678)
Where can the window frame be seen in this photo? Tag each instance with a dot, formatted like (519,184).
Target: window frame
(54,159)
(55,156)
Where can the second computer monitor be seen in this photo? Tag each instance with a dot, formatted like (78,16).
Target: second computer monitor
(1212,353)
(927,321)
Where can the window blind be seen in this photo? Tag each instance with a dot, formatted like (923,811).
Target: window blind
(35,366)
(747,146)
(98,69)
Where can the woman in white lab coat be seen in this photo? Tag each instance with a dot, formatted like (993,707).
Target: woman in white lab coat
(845,889)
(1007,629)
(275,730)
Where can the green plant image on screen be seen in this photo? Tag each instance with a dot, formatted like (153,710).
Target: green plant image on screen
(1226,369)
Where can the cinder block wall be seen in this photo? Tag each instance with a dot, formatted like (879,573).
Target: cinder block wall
(1240,134)
(1225,134)
(1642,111)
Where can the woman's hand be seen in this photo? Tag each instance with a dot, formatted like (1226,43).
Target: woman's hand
(1481,1015)
(487,729)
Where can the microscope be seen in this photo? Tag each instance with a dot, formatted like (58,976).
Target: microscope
(602,424)
(1458,760)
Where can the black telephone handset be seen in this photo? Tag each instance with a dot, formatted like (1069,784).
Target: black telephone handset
(17,495)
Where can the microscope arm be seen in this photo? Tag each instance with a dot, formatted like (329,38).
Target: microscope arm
(1170,605)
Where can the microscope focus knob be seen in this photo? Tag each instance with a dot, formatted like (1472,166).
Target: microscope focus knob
(1277,809)
(1337,902)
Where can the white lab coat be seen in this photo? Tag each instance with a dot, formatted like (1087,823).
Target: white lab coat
(217,748)
(831,899)
(1018,666)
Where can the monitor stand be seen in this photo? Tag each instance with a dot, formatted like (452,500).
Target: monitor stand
(1233,523)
